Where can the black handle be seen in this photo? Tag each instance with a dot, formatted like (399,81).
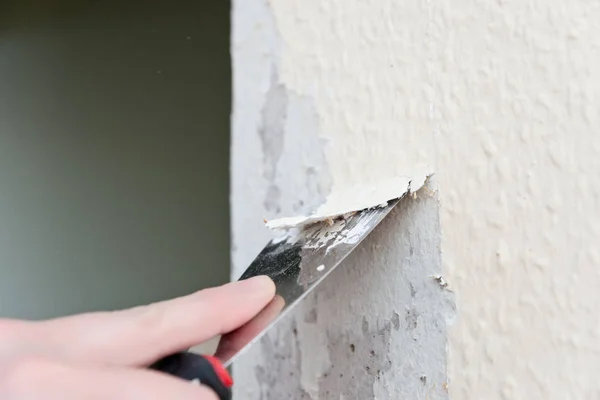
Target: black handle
(201,369)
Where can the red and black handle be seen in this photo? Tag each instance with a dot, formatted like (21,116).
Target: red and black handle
(202,369)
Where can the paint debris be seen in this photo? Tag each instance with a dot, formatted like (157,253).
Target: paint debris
(356,198)
(333,235)
(441,281)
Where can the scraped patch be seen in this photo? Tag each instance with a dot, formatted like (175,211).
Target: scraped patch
(355,198)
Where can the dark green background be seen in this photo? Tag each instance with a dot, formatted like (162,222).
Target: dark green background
(114,147)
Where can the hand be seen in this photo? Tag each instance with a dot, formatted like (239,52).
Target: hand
(103,355)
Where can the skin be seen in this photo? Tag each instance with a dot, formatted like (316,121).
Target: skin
(104,355)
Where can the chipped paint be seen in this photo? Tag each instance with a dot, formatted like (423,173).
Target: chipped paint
(355,198)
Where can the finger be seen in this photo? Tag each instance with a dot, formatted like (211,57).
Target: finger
(142,335)
(38,378)
(232,342)
(15,337)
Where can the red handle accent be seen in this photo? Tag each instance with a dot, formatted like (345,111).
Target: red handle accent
(221,372)
(207,370)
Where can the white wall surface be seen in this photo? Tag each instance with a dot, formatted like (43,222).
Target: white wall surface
(500,97)
(517,91)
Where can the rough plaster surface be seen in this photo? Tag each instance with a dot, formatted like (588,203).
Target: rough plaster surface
(346,343)
(499,97)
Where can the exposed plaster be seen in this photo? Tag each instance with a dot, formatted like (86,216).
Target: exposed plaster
(323,350)
(381,351)
(316,365)
(305,160)
(343,343)
(272,136)
(278,382)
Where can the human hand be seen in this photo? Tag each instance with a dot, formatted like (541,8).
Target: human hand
(104,355)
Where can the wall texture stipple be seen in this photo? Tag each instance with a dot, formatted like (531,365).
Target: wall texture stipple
(501,98)
(519,173)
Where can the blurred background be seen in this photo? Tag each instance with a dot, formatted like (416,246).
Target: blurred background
(114,153)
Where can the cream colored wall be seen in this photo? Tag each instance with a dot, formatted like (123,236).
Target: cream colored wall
(517,89)
(499,97)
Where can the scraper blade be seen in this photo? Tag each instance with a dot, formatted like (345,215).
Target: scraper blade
(300,259)
(297,261)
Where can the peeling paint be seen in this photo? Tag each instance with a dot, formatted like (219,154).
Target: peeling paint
(355,198)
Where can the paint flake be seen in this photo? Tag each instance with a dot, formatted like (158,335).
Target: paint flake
(355,198)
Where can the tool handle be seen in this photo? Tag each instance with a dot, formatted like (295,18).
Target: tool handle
(200,369)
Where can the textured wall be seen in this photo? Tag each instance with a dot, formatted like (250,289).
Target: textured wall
(498,97)
(517,89)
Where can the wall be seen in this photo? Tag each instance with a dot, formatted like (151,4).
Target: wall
(316,108)
(498,97)
(519,174)
(114,149)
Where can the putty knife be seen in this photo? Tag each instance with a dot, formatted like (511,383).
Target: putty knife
(297,261)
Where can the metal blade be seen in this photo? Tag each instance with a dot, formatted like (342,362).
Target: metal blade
(297,262)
